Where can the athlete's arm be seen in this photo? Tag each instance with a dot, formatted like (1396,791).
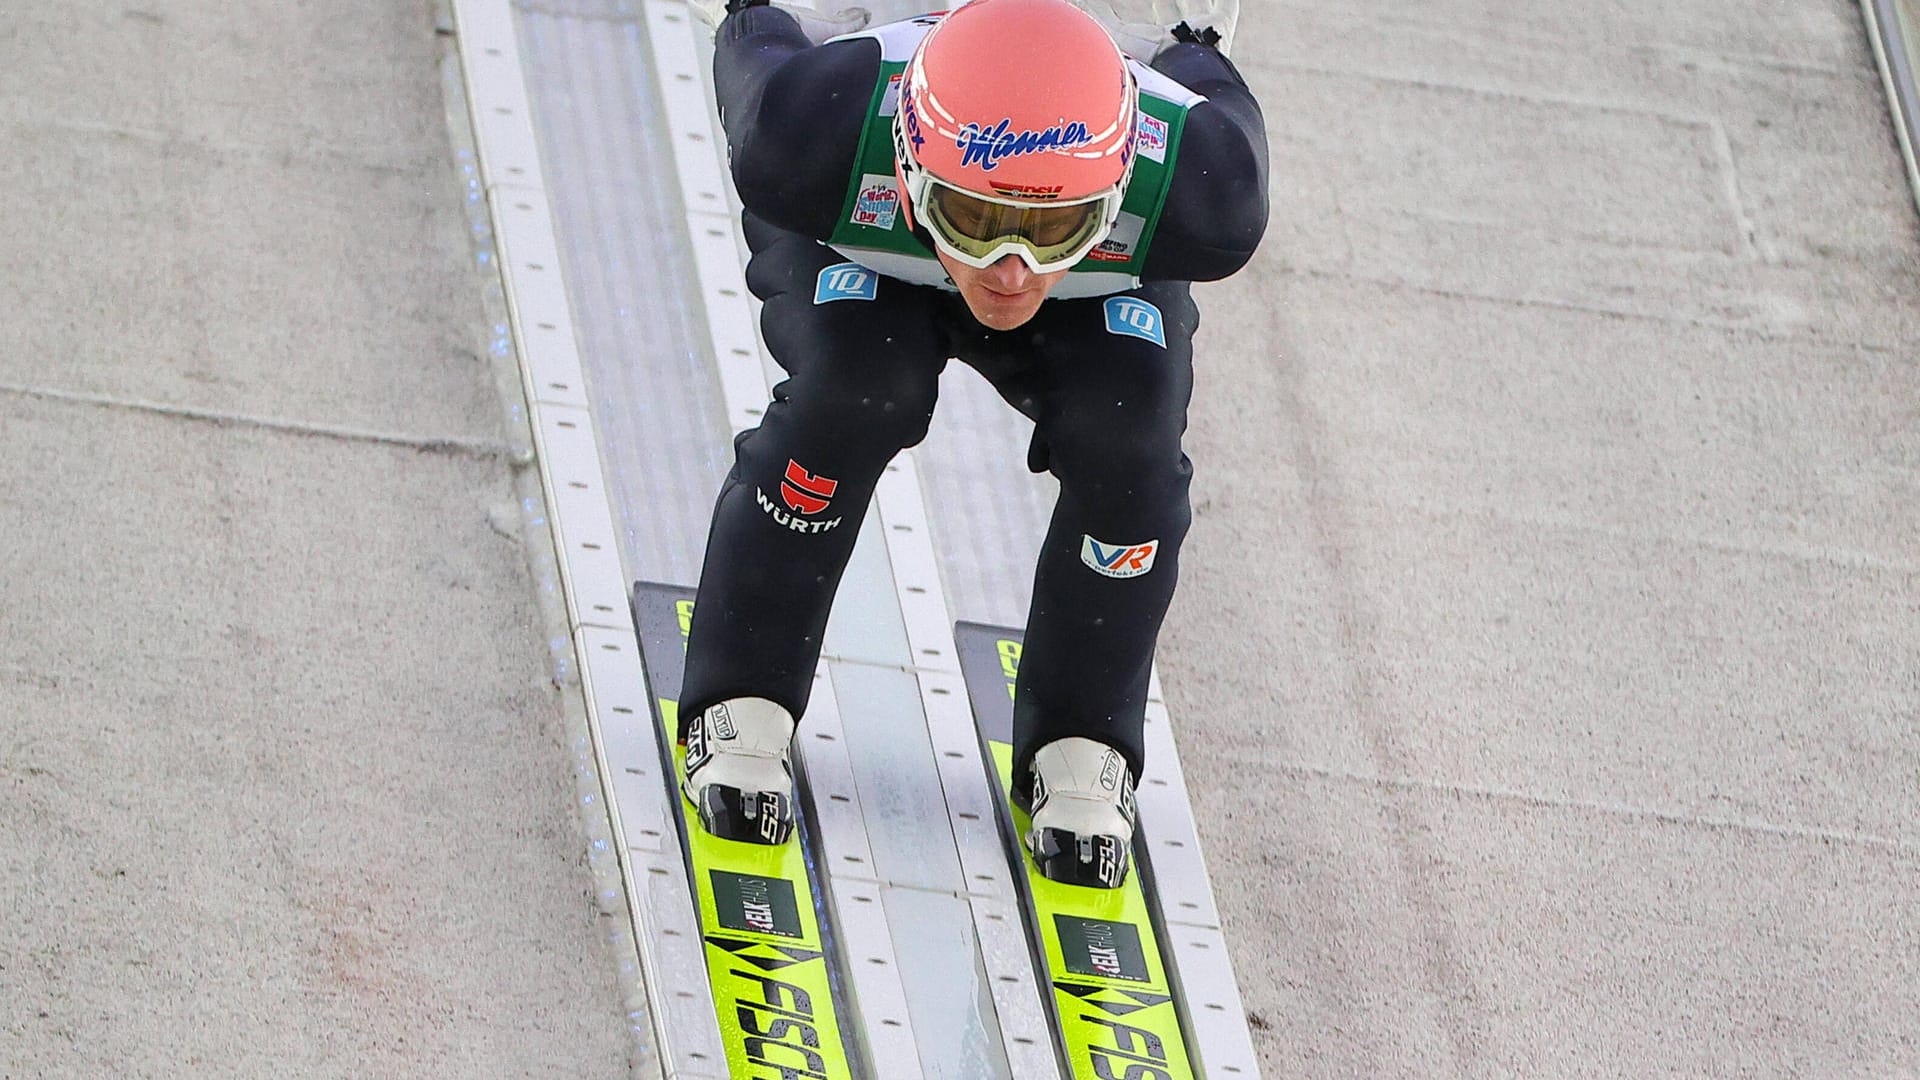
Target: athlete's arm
(1217,204)
(793,113)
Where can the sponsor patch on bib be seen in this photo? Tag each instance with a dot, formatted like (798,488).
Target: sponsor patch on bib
(1130,316)
(878,203)
(1118,560)
(846,281)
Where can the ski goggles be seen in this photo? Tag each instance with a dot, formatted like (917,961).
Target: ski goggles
(979,230)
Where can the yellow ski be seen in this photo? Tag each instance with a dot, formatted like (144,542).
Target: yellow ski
(766,960)
(1114,1008)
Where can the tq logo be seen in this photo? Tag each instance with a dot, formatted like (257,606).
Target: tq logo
(851,281)
(1131,317)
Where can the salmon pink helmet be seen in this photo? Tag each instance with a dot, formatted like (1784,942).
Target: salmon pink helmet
(1015,133)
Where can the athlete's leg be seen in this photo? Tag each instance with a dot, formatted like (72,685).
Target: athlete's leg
(1109,396)
(863,361)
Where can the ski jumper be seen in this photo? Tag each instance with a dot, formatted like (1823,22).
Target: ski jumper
(861,316)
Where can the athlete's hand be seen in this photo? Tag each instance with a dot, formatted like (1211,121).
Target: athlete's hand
(710,12)
(818,25)
(1144,27)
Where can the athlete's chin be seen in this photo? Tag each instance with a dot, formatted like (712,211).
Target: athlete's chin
(998,311)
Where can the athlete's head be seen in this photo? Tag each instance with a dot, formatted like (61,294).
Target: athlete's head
(1015,141)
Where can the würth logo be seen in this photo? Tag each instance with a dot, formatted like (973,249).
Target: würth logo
(806,493)
(805,496)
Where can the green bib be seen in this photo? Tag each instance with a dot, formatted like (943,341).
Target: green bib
(873,231)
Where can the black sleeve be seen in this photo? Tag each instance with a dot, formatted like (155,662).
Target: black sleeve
(793,113)
(1217,204)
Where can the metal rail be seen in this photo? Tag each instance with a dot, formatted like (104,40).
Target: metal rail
(1894,28)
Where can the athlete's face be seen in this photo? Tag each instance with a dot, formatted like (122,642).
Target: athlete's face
(1004,295)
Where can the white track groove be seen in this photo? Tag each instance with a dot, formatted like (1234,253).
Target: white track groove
(659,902)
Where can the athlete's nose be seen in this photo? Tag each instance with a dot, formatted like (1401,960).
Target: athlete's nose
(1010,275)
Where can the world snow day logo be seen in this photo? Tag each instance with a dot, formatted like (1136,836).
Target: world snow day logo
(1153,138)
(878,202)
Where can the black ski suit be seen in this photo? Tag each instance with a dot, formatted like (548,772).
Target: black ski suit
(1109,408)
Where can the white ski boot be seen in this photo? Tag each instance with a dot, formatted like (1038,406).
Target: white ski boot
(739,774)
(1082,800)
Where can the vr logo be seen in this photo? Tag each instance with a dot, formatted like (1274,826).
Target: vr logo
(1131,317)
(1118,560)
(846,281)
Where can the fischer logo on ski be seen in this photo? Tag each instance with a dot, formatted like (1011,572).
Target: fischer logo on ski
(781,1019)
(760,930)
(1112,1003)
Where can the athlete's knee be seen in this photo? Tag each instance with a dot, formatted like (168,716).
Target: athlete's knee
(857,414)
(887,409)
(1128,475)
(1121,443)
